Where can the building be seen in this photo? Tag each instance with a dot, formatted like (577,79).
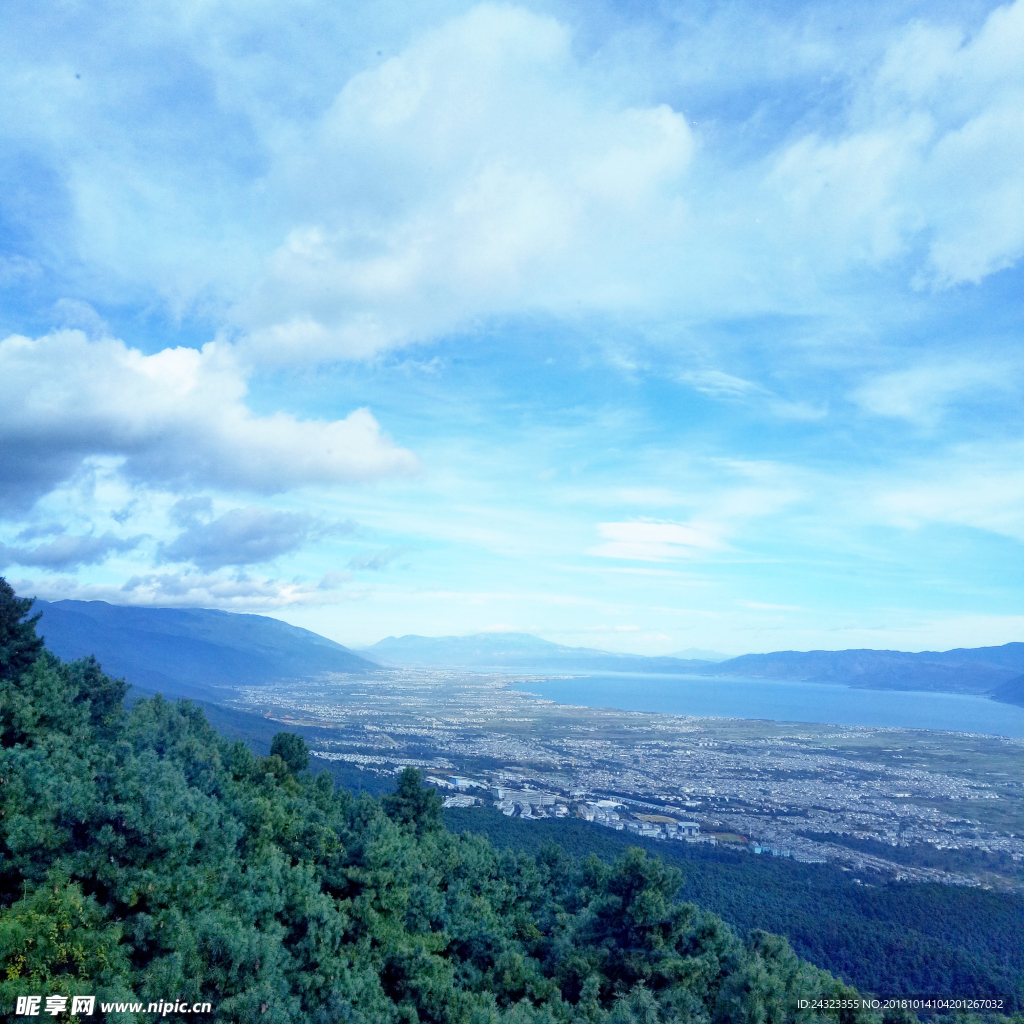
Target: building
(460,801)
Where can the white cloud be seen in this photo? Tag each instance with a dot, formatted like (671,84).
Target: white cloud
(651,541)
(805,412)
(982,488)
(724,386)
(719,384)
(932,155)
(239,593)
(355,182)
(921,393)
(479,172)
(377,561)
(16,270)
(177,417)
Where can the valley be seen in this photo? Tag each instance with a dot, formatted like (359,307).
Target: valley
(886,804)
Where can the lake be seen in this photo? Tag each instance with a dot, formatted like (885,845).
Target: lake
(783,702)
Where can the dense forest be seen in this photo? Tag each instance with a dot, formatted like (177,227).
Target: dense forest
(145,857)
(897,938)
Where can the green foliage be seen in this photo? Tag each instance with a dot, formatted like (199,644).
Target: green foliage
(55,939)
(143,853)
(897,938)
(413,804)
(19,645)
(292,749)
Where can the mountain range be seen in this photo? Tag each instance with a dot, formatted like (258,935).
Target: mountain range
(985,670)
(515,652)
(971,670)
(200,653)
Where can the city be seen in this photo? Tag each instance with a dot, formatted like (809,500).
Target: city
(898,804)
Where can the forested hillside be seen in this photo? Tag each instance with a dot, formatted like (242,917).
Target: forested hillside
(142,856)
(898,938)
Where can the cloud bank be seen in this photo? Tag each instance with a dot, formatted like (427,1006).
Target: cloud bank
(245,536)
(241,592)
(66,553)
(490,162)
(177,418)
(480,172)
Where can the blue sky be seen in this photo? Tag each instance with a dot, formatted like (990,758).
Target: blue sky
(643,327)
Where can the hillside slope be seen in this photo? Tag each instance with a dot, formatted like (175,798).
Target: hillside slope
(977,670)
(192,652)
(1011,692)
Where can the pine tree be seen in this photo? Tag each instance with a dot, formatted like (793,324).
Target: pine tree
(414,804)
(19,645)
(292,749)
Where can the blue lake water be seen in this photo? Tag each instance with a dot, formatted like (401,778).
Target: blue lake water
(784,702)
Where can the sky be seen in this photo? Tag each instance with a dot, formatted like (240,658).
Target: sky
(641,326)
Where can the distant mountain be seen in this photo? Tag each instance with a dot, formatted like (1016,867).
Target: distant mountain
(697,654)
(1011,692)
(192,652)
(200,653)
(979,670)
(515,652)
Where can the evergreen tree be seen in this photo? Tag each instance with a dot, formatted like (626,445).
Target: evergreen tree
(19,645)
(292,749)
(414,804)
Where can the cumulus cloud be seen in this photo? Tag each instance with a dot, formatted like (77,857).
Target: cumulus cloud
(66,553)
(174,418)
(119,515)
(241,536)
(463,162)
(479,172)
(190,511)
(650,541)
(241,592)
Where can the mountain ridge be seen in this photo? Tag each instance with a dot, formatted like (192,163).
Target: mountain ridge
(198,652)
(961,670)
(514,652)
(190,652)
